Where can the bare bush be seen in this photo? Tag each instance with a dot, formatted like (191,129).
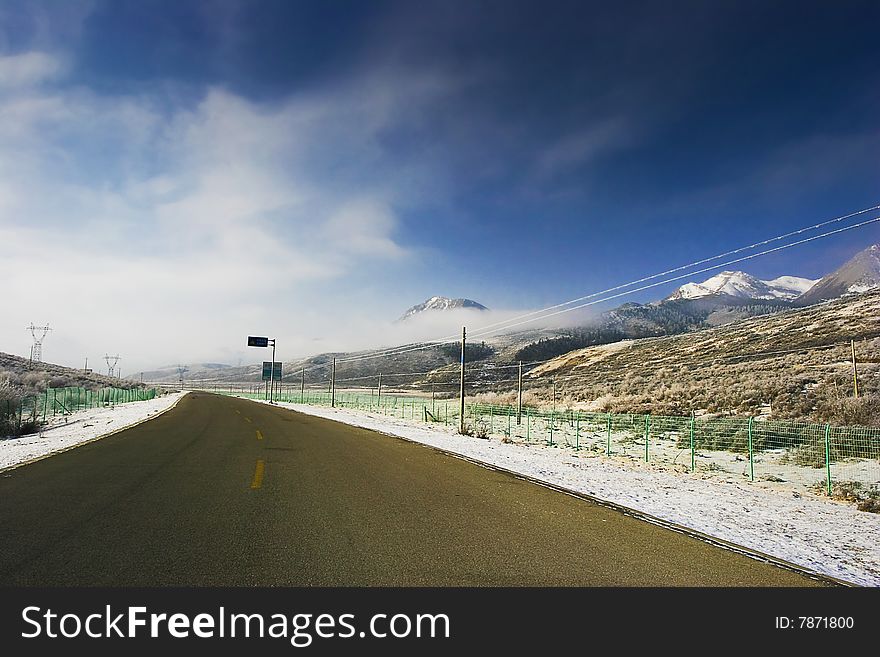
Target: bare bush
(862,411)
(866,498)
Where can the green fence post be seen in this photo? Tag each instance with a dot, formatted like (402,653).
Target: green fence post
(751,454)
(528,424)
(828,457)
(552,424)
(608,445)
(577,430)
(693,462)
(647,429)
(491,419)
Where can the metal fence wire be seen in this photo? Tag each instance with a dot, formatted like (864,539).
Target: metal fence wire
(24,415)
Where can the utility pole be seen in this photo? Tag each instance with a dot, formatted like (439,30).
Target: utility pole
(333,385)
(852,344)
(461,387)
(519,396)
(379,391)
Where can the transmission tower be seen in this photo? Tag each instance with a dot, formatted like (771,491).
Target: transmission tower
(111,363)
(39,334)
(181,370)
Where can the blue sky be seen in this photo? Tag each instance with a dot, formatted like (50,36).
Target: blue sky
(175,175)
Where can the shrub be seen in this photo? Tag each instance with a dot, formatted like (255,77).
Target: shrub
(867,499)
(871,505)
(864,411)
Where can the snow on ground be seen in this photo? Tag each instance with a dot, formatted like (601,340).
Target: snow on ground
(66,431)
(824,536)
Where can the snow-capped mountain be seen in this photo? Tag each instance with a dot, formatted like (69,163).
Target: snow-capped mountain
(744,286)
(859,274)
(439,304)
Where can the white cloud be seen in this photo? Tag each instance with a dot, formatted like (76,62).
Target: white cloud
(27,69)
(582,147)
(169,234)
(361,227)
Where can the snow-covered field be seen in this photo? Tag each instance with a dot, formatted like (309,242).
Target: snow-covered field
(822,535)
(66,431)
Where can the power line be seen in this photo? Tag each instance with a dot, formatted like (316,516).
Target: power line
(706,361)
(677,278)
(693,264)
(478,369)
(544,314)
(473,367)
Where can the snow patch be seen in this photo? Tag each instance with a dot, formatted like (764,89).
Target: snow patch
(744,286)
(66,431)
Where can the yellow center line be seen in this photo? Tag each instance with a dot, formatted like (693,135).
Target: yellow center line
(259,435)
(247,419)
(258,475)
(238,411)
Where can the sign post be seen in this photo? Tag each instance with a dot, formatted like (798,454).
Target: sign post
(258,341)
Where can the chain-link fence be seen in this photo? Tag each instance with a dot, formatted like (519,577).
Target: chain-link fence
(28,413)
(812,455)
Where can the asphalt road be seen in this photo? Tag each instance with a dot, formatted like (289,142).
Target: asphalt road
(227,492)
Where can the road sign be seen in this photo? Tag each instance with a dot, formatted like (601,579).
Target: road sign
(254,341)
(277,374)
(267,370)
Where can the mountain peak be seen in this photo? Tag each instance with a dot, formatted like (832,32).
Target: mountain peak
(745,286)
(438,303)
(860,273)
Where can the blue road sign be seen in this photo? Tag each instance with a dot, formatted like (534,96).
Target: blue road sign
(254,341)
(277,375)
(267,370)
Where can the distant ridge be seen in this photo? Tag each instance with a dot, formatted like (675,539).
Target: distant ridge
(744,286)
(861,273)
